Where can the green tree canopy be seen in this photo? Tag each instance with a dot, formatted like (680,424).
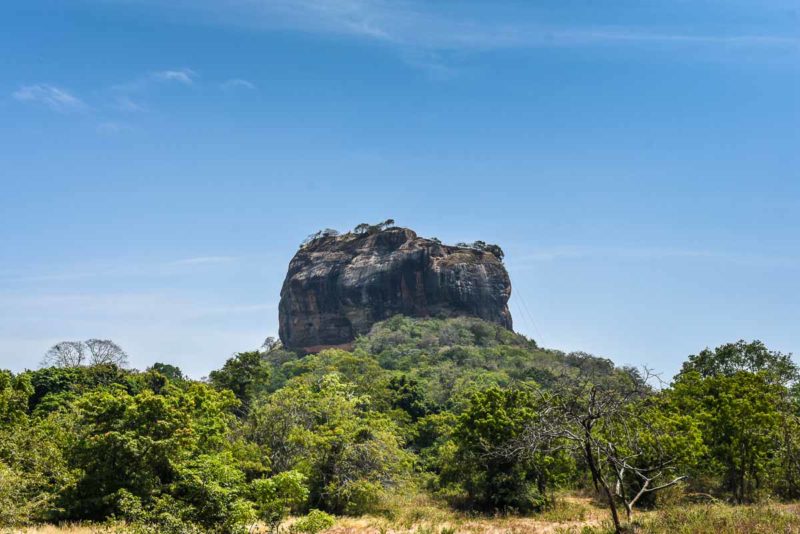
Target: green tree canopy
(743,356)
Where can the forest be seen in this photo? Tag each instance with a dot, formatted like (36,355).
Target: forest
(424,426)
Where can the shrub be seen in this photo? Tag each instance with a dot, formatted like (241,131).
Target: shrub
(277,496)
(350,453)
(316,521)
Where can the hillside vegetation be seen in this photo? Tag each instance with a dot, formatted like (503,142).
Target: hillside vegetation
(427,425)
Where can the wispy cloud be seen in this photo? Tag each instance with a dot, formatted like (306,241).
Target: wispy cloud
(53,97)
(184,76)
(426,35)
(237,83)
(113,105)
(127,93)
(426,25)
(375,19)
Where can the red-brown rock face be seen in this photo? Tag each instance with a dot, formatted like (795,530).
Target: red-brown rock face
(338,287)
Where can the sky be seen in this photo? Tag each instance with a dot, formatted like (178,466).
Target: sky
(161,160)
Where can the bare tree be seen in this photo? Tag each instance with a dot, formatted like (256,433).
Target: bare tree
(270,344)
(602,423)
(89,352)
(105,351)
(65,354)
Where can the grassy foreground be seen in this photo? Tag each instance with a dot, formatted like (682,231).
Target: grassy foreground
(572,515)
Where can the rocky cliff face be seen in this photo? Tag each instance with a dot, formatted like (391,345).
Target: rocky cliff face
(337,287)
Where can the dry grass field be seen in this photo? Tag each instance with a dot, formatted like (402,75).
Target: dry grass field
(573,515)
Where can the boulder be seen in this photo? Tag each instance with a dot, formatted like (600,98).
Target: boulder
(338,286)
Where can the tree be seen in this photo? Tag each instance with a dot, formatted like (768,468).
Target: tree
(150,445)
(322,234)
(212,492)
(366,228)
(788,483)
(277,496)
(57,387)
(105,352)
(496,250)
(91,352)
(246,374)
(494,481)
(741,417)
(743,356)
(407,395)
(65,354)
(172,372)
(14,394)
(33,469)
(486,247)
(742,395)
(358,370)
(270,344)
(350,454)
(628,454)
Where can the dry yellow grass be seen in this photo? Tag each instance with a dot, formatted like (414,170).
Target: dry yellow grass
(418,514)
(421,516)
(572,515)
(62,529)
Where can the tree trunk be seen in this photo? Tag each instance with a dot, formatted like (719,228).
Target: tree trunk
(613,506)
(609,495)
(590,461)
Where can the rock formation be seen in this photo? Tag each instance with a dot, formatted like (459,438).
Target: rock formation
(338,286)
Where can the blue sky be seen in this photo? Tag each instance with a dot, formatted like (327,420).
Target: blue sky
(160,162)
